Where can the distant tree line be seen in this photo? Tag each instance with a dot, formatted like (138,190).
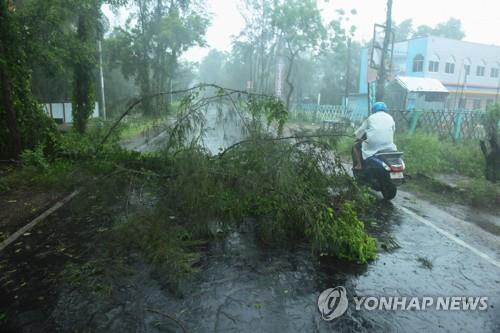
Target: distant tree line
(450,29)
(313,53)
(49,53)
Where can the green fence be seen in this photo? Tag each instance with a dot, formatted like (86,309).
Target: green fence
(454,124)
(320,113)
(457,125)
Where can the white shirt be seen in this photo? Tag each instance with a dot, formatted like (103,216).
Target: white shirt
(379,129)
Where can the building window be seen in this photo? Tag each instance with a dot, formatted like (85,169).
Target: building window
(477,104)
(450,68)
(467,69)
(433,66)
(494,72)
(418,63)
(480,71)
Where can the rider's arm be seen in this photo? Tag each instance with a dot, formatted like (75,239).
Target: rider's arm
(360,132)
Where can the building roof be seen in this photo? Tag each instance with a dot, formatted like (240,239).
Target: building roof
(458,41)
(421,84)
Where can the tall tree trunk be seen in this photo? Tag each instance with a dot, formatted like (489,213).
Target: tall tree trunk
(6,87)
(83,90)
(10,114)
(143,75)
(288,80)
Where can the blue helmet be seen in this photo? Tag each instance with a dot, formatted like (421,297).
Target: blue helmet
(379,106)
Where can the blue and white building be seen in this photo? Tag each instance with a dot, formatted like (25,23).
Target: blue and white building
(469,71)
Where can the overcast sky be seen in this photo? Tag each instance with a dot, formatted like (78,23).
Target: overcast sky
(480,18)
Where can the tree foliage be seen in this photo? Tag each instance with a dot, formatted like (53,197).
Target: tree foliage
(450,29)
(156,35)
(313,53)
(23,123)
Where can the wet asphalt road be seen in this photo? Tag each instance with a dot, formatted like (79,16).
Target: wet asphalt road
(242,287)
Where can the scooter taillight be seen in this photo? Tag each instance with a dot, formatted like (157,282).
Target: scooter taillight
(397,168)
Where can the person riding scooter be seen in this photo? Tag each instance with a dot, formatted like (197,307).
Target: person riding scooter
(375,134)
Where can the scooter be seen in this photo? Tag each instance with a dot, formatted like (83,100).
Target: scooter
(382,172)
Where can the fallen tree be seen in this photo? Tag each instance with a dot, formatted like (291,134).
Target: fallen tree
(291,187)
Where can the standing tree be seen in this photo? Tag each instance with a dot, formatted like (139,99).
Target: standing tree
(84,62)
(450,29)
(157,34)
(8,55)
(299,23)
(211,69)
(23,124)
(403,30)
(316,56)
(84,58)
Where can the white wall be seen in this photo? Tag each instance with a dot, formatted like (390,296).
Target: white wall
(445,48)
(63,111)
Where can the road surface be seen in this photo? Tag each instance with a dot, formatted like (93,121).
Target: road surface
(426,250)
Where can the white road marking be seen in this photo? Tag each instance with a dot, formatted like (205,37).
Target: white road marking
(451,237)
(41,217)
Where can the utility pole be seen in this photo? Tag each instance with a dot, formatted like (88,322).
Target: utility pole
(382,73)
(347,72)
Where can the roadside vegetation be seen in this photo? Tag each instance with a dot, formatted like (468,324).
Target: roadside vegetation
(426,153)
(471,165)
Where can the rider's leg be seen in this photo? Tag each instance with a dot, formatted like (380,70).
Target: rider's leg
(356,155)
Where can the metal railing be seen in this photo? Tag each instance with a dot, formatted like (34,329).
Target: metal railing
(319,113)
(457,125)
(448,124)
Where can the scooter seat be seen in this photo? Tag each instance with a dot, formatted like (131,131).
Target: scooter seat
(388,153)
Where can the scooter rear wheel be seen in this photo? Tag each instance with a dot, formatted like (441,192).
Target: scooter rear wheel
(389,191)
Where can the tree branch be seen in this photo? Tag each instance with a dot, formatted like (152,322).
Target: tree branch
(281,139)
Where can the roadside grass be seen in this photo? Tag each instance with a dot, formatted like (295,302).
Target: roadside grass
(428,154)
(76,159)
(482,193)
(478,193)
(59,175)
(344,147)
(136,126)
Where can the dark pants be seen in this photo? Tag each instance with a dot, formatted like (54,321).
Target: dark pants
(357,159)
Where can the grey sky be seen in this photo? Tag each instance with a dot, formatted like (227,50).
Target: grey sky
(480,18)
